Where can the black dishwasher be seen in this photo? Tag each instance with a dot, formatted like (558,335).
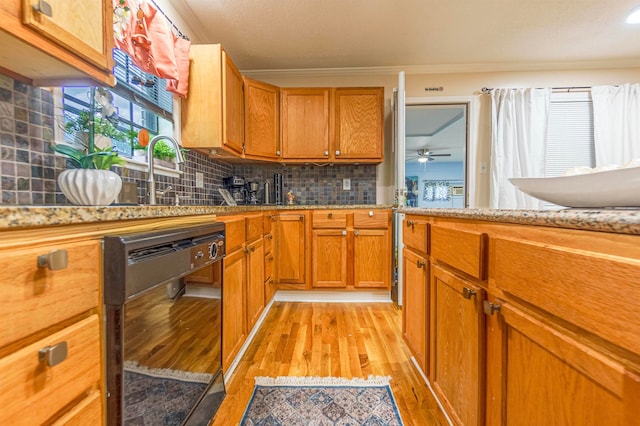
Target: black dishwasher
(163,339)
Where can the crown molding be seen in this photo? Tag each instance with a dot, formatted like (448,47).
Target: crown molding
(446,68)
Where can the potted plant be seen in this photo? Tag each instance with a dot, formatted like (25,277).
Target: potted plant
(89,180)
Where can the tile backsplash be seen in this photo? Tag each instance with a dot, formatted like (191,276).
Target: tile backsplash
(29,168)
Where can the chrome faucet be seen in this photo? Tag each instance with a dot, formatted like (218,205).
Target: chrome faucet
(151,178)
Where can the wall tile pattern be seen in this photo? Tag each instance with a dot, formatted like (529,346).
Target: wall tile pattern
(29,169)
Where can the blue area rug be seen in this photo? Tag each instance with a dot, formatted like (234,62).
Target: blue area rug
(315,401)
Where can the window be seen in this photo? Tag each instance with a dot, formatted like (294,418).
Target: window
(570,140)
(141,101)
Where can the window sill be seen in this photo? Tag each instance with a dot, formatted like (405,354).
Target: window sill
(140,164)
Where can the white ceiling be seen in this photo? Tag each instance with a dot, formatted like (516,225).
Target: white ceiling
(426,35)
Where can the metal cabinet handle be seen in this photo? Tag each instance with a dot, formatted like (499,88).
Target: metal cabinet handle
(246,250)
(43,7)
(252,249)
(301,217)
(269,236)
(420,264)
(409,223)
(53,355)
(55,260)
(344,232)
(330,215)
(278,152)
(356,232)
(326,153)
(270,258)
(337,152)
(467,293)
(489,308)
(370,214)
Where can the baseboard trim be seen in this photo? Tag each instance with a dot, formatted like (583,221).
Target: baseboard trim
(333,296)
(444,412)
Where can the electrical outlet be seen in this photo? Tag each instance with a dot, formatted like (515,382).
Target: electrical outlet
(346,184)
(199,180)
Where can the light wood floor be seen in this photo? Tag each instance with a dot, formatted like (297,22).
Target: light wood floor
(332,339)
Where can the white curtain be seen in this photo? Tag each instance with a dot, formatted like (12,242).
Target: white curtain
(616,123)
(519,126)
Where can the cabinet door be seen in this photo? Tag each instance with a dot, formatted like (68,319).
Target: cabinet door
(261,120)
(329,258)
(415,306)
(305,124)
(371,258)
(77,25)
(255,282)
(232,101)
(550,377)
(290,248)
(233,305)
(457,346)
(359,124)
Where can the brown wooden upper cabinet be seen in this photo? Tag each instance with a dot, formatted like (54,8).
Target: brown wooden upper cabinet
(212,114)
(305,121)
(359,124)
(55,43)
(332,124)
(261,120)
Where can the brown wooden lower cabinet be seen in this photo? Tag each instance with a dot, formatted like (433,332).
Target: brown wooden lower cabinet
(457,362)
(255,282)
(371,258)
(329,258)
(290,247)
(549,377)
(415,306)
(233,302)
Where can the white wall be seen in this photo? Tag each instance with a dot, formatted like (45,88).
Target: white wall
(454,84)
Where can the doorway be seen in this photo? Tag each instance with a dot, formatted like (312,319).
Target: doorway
(436,137)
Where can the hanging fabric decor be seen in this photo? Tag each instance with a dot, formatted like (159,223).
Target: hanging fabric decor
(146,37)
(180,86)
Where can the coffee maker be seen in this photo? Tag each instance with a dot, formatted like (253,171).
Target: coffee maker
(252,192)
(236,186)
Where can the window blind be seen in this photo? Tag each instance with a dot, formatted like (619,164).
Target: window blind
(570,133)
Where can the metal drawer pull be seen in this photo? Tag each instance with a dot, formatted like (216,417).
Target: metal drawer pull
(55,260)
(344,232)
(53,355)
(356,232)
(420,264)
(326,153)
(409,223)
(330,215)
(490,308)
(278,152)
(370,214)
(337,152)
(467,293)
(301,217)
(252,249)
(44,8)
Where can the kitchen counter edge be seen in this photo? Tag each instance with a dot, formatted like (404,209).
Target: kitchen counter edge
(620,221)
(14,217)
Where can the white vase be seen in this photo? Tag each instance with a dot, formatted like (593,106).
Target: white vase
(90,187)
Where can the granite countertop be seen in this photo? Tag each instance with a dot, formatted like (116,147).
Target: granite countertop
(36,216)
(620,221)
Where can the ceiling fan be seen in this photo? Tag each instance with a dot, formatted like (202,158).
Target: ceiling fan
(424,155)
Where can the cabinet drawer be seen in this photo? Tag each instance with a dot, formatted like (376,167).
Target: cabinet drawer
(85,413)
(31,392)
(255,227)
(33,298)
(235,232)
(462,249)
(268,267)
(596,292)
(330,219)
(268,243)
(371,219)
(415,234)
(267,222)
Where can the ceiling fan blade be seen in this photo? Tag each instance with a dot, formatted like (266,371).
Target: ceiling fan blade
(439,155)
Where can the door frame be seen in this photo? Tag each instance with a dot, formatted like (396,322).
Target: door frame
(472,137)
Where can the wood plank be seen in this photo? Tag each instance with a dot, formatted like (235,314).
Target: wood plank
(332,339)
